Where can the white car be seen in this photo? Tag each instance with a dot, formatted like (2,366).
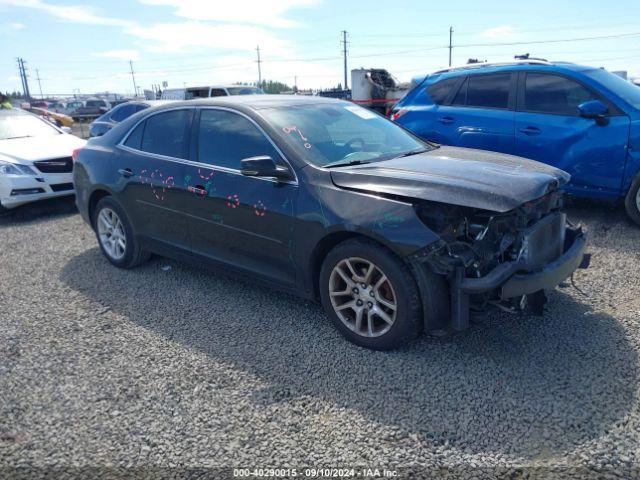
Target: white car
(35,159)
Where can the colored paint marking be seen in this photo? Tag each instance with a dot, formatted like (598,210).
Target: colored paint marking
(389,220)
(216,217)
(233,201)
(293,128)
(259,209)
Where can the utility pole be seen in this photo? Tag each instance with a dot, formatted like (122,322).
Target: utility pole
(450,43)
(295,84)
(259,68)
(133,77)
(23,78)
(344,54)
(39,84)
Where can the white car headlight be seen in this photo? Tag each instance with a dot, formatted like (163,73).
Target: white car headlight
(8,168)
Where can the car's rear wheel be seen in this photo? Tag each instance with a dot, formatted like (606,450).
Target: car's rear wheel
(115,235)
(370,295)
(632,201)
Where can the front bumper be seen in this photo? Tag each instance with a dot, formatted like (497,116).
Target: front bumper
(16,190)
(515,280)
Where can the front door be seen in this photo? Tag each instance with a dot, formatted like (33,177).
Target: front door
(245,222)
(549,129)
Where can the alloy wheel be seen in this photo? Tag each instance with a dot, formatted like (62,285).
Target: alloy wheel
(362,297)
(111,233)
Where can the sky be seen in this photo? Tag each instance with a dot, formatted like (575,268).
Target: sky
(86,47)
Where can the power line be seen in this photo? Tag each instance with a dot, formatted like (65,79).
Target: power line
(559,40)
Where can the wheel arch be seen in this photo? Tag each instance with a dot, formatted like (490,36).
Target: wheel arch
(327,243)
(97,195)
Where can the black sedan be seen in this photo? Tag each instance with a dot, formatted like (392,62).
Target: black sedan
(117,114)
(328,200)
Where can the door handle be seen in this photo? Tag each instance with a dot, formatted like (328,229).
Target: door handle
(446,120)
(531,131)
(199,189)
(126,172)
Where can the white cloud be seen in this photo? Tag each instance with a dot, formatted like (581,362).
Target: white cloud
(257,12)
(119,54)
(197,36)
(503,31)
(16,26)
(75,14)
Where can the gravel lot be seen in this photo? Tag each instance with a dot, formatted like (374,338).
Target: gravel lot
(176,367)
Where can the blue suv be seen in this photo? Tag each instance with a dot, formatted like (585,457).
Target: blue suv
(581,119)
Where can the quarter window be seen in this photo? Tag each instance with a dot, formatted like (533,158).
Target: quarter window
(439,92)
(554,94)
(225,138)
(489,91)
(166,133)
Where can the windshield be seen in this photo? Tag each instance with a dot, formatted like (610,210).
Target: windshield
(95,103)
(244,91)
(20,126)
(341,134)
(627,91)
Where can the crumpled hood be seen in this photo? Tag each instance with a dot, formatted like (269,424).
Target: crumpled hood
(458,176)
(27,150)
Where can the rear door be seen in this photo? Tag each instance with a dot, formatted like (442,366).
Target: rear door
(151,166)
(481,113)
(550,129)
(242,221)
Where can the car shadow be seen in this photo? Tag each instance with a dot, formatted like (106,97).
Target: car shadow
(45,209)
(515,385)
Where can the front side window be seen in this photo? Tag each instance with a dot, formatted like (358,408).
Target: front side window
(553,94)
(225,138)
(339,133)
(489,91)
(218,92)
(163,134)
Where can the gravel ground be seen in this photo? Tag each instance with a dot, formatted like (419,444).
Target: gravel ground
(167,367)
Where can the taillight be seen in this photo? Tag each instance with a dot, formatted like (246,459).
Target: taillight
(74,155)
(397,114)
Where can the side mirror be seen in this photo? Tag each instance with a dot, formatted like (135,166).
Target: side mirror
(264,166)
(596,110)
(66,129)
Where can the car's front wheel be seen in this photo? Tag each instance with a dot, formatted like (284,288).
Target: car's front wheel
(632,201)
(115,235)
(370,295)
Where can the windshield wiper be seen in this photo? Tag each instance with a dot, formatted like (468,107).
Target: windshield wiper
(345,163)
(19,136)
(412,152)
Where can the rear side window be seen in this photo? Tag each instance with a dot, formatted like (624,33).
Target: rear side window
(225,138)
(554,94)
(489,91)
(135,138)
(166,133)
(440,91)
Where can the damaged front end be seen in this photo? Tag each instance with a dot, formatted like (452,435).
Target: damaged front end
(503,260)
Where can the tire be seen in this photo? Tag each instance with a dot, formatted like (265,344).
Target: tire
(373,331)
(632,201)
(132,254)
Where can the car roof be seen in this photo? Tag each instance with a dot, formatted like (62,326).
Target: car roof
(257,102)
(511,66)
